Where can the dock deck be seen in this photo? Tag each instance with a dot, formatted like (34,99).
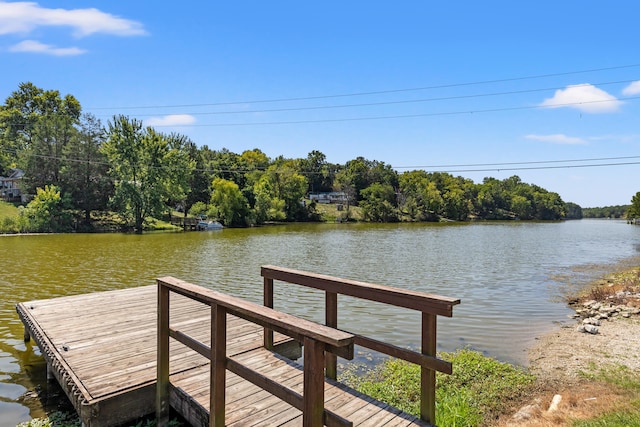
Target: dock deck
(102,349)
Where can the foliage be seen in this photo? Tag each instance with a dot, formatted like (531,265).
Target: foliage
(47,212)
(378,203)
(605,212)
(198,208)
(55,419)
(574,211)
(279,193)
(228,204)
(141,173)
(148,170)
(634,210)
(84,168)
(478,389)
(67,419)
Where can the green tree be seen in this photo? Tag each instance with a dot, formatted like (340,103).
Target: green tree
(48,211)
(574,211)
(84,169)
(279,193)
(147,169)
(228,203)
(634,209)
(378,203)
(35,126)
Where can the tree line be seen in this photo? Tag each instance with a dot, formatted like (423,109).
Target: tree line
(75,166)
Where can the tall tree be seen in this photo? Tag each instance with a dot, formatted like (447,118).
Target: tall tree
(143,164)
(228,203)
(378,203)
(84,171)
(279,193)
(35,126)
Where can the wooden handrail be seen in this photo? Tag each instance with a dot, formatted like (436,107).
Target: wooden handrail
(317,340)
(429,305)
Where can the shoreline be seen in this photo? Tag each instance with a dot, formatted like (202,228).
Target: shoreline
(569,364)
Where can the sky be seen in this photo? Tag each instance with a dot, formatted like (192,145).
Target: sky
(546,90)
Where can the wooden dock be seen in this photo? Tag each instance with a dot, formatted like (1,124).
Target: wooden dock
(103,348)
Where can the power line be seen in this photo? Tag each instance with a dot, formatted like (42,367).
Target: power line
(379,92)
(401,116)
(371,104)
(518,163)
(542,167)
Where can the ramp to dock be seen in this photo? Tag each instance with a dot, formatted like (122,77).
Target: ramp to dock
(102,349)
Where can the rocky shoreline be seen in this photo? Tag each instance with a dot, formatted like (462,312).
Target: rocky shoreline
(607,313)
(606,335)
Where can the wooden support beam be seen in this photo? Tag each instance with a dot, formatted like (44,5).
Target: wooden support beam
(331,320)
(218,365)
(162,386)
(428,376)
(268,302)
(313,405)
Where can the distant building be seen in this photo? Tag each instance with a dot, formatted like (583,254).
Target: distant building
(9,186)
(333,197)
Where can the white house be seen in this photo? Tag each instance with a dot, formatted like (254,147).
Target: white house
(9,185)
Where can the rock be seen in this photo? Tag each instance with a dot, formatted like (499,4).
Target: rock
(527,412)
(591,329)
(591,321)
(554,403)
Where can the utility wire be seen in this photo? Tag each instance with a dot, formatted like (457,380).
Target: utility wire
(379,92)
(402,116)
(372,104)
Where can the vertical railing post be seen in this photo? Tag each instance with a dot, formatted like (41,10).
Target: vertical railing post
(428,376)
(268,302)
(313,388)
(218,365)
(162,383)
(331,320)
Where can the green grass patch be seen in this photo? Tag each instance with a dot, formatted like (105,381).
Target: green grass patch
(8,210)
(8,218)
(624,418)
(479,389)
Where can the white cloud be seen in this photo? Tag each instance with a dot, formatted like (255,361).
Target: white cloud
(171,120)
(632,89)
(33,46)
(24,17)
(557,138)
(584,97)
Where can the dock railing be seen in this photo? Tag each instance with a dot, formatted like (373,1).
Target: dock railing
(429,305)
(317,340)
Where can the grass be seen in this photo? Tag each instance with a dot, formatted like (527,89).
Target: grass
(626,414)
(8,210)
(329,212)
(479,389)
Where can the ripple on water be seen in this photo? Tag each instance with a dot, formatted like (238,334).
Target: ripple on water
(13,414)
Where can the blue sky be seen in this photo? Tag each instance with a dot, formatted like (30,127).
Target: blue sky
(546,90)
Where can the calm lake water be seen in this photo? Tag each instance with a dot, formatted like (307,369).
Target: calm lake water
(510,277)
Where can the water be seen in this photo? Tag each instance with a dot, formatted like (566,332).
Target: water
(506,274)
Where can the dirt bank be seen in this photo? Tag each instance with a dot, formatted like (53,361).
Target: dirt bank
(563,359)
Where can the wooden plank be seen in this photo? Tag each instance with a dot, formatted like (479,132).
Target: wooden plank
(399,297)
(264,316)
(112,360)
